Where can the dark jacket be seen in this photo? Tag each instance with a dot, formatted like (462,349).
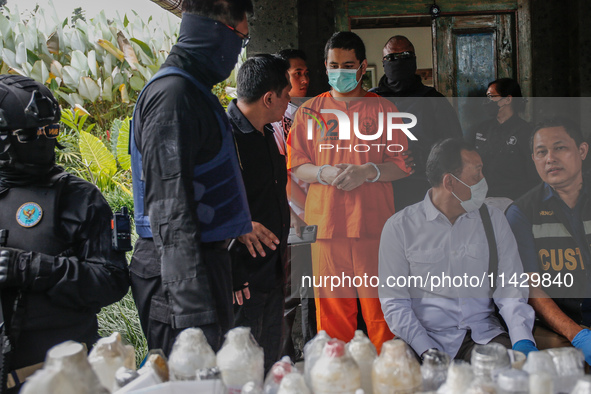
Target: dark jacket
(176,131)
(554,241)
(506,156)
(436,121)
(73,276)
(265,178)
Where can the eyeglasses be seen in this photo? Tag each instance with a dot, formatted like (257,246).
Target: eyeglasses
(491,96)
(400,55)
(245,37)
(50,131)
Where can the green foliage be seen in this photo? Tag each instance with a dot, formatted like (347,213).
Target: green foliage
(122,317)
(78,13)
(100,65)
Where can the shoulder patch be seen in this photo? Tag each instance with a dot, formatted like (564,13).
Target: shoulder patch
(29,214)
(546,213)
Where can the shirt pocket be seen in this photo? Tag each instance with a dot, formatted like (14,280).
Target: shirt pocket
(476,268)
(425,263)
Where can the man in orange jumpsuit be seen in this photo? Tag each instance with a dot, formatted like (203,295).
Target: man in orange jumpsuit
(350,161)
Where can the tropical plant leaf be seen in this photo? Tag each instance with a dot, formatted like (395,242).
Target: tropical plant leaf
(71,77)
(109,47)
(124,94)
(89,89)
(53,43)
(108,89)
(40,73)
(92,65)
(21,53)
(123,157)
(80,62)
(145,48)
(128,51)
(96,155)
(137,83)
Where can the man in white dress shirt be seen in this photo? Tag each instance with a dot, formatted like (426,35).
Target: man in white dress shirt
(434,265)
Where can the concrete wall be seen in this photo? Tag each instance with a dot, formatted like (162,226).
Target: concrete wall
(274,26)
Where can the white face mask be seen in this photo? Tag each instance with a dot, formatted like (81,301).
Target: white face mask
(478,192)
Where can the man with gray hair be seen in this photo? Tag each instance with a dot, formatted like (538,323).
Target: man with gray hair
(188,191)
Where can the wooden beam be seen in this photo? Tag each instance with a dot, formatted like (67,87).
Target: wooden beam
(359,8)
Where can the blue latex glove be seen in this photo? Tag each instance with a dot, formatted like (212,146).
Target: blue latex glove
(525,346)
(582,341)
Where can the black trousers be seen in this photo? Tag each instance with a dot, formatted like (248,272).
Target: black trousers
(153,308)
(263,313)
(299,263)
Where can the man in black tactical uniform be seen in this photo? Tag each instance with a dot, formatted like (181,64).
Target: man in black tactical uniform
(57,267)
(436,118)
(188,190)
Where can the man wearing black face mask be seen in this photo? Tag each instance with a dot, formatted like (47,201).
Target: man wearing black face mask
(436,118)
(57,265)
(188,190)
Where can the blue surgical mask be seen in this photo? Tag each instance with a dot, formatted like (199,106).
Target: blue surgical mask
(343,80)
(478,194)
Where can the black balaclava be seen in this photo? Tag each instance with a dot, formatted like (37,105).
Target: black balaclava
(212,42)
(401,74)
(25,105)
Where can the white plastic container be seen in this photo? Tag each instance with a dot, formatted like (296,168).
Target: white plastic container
(364,353)
(240,360)
(335,371)
(251,388)
(540,363)
(312,352)
(66,371)
(153,373)
(583,386)
(276,374)
(540,383)
(396,370)
(190,352)
(459,378)
(293,383)
(513,381)
(107,356)
(569,363)
(434,369)
(489,360)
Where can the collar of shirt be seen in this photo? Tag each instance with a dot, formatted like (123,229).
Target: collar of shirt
(241,123)
(549,193)
(431,212)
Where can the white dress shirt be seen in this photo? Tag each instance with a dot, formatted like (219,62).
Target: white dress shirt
(421,241)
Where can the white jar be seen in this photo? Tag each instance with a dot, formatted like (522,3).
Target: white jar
(240,360)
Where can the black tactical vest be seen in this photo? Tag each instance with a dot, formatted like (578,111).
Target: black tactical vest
(557,249)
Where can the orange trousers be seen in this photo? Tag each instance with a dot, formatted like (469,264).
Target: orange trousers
(343,271)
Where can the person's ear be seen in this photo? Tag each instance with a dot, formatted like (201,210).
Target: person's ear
(268,99)
(583,150)
(509,99)
(363,67)
(447,182)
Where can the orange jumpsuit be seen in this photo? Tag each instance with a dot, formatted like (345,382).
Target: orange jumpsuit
(349,222)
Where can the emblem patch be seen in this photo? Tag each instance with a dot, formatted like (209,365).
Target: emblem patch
(29,214)
(512,140)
